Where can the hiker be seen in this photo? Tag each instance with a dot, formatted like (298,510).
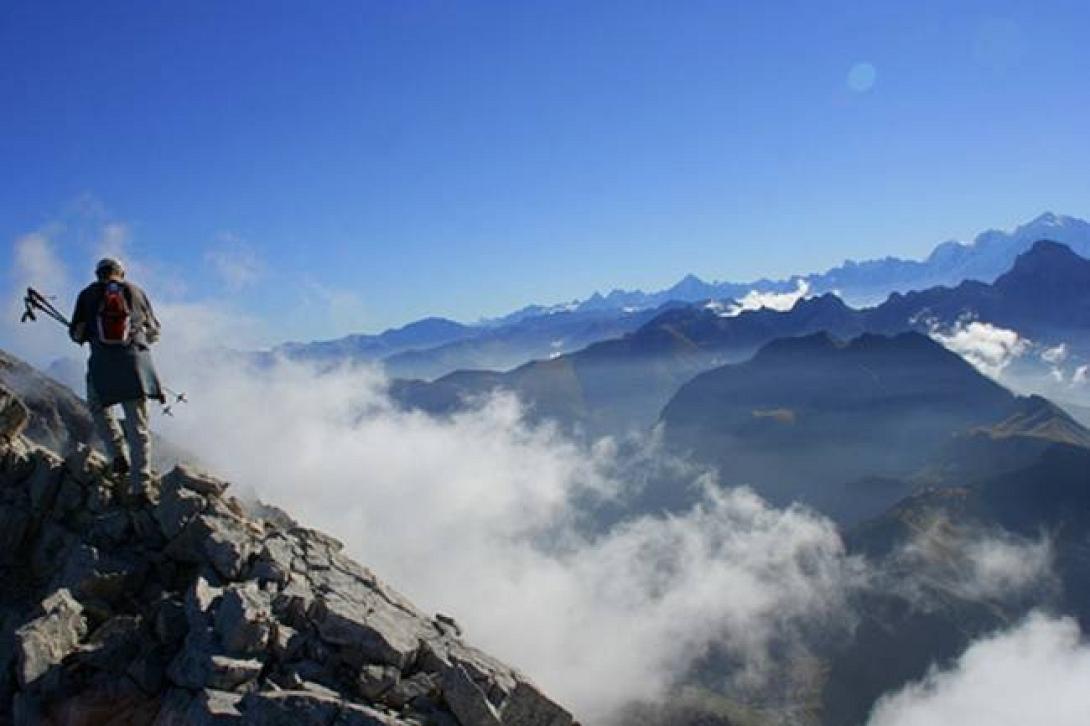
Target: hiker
(115,317)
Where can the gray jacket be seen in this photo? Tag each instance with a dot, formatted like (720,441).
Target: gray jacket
(118,372)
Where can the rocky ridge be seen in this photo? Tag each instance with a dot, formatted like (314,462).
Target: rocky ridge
(192,610)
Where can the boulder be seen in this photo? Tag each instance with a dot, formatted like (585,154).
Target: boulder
(214,708)
(290,708)
(186,477)
(467,700)
(243,619)
(377,633)
(14,416)
(375,681)
(45,641)
(227,673)
(527,706)
(176,507)
(216,540)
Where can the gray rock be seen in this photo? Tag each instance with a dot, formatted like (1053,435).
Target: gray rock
(294,602)
(192,665)
(243,619)
(527,706)
(200,599)
(285,642)
(45,481)
(380,635)
(214,708)
(290,708)
(45,641)
(183,476)
(412,689)
(177,506)
(224,543)
(90,574)
(226,673)
(113,645)
(274,562)
(170,621)
(466,699)
(14,416)
(354,714)
(375,680)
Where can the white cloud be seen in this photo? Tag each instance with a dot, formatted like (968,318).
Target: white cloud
(1081,375)
(987,347)
(114,240)
(1036,673)
(1055,355)
(36,263)
(945,559)
(235,261)
(755,299)
(478,515)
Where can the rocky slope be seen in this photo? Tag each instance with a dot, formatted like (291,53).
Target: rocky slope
(191,610)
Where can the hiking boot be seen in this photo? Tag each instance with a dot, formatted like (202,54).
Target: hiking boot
(120,466)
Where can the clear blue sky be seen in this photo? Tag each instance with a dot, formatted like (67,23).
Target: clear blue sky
(403,158)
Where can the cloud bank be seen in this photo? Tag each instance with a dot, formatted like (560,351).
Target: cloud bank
(1036,673)
(479,515)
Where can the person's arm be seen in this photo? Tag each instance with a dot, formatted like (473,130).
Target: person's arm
(77,327)
(150,322)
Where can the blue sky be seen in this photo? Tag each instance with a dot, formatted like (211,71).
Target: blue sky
(346,166)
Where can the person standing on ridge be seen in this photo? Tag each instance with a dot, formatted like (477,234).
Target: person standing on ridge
(116,318)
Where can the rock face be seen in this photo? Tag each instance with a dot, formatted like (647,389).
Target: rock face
(192,611)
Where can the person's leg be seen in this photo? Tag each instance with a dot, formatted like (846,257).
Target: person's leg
(139,437)
(106,425)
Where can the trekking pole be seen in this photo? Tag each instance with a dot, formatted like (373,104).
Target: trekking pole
(168,408)
(34,300)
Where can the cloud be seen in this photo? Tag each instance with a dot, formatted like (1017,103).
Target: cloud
(755,299)
(1081,374)
(36,263)
(1055,355)
(945,559)
(482,515)
(114,240)
(236,262)
(989,348)
(1034,673)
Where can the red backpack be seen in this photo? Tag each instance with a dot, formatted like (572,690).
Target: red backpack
(113,315)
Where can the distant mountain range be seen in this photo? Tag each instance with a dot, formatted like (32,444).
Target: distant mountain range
(624,383)
(433,347)
(864,282)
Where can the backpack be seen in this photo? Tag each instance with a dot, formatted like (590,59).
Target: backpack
(113,315)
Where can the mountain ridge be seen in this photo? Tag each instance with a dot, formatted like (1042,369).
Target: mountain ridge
(192,610)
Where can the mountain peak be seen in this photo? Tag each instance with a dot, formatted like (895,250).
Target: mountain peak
(1050,247)
(1048,219)
(1046,260)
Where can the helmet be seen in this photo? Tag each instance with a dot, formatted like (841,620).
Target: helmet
(108,267)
